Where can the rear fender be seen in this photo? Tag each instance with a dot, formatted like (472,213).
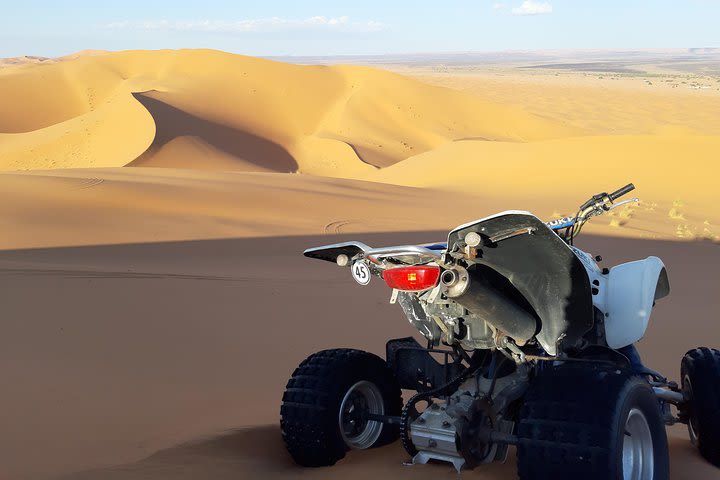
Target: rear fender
(542,268)
(633,288)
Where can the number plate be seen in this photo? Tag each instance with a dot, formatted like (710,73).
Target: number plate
(361,273)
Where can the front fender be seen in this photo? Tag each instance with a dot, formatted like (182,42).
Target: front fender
(633,288)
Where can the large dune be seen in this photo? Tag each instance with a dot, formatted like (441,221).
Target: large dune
(212,110)
(527,143)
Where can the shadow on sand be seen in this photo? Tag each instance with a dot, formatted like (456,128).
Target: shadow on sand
(258,452)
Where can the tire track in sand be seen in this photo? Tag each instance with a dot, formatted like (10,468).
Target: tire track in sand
(335,227)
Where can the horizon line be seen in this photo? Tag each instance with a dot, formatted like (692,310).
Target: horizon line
(389,54)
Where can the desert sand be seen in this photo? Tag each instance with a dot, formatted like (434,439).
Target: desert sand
(168,360)
(154,206)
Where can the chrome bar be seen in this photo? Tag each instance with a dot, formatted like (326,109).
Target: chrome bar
(359,245)
(401,250)
(669,395)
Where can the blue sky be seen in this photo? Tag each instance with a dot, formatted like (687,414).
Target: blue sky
(322,27)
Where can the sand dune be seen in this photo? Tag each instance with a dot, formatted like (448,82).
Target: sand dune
(109,205)
(183,140)
(337,121)
(34,59)
(604,104)
(208,110)
(675,177)
(53,116)
(24,60)
(105,206)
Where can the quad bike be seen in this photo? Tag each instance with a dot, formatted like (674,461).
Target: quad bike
(529,343)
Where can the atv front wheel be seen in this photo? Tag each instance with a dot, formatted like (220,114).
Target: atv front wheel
(325,402)
(700,373)
(591,423)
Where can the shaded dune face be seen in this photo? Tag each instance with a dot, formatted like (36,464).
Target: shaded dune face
(372,156)
(249,152)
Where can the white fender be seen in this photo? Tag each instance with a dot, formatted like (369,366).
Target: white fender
(632,289)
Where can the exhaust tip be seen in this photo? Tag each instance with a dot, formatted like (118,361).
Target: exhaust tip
(449,278)
(455,281)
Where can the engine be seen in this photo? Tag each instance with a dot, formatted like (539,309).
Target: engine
(467,428)
(446,319)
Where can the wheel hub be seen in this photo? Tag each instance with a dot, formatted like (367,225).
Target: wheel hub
(362,398)
(638,454)
(691,417)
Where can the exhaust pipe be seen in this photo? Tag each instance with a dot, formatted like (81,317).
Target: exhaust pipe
(475,293)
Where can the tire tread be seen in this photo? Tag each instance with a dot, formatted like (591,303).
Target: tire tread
(565,423)
(702,366)
(307,422)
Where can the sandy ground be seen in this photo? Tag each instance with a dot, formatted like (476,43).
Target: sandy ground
(119,355)
(122,205)
(44,208)
(604,104)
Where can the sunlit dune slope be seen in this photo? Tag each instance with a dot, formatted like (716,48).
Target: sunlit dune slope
(676,179)
(45,208)
(211,110)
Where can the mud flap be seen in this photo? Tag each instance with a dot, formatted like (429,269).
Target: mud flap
(415,368)
(633,288)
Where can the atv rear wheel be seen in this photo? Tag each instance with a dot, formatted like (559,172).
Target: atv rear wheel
(700,373)
(591,423)
(323,407)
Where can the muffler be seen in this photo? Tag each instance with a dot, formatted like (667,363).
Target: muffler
(474,291)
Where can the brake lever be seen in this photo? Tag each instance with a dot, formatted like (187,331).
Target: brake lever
(630,200)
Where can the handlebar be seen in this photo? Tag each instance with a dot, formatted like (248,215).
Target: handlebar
(596,205)
(622,191)
(601,197)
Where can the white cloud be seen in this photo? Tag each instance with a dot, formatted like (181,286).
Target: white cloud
(532,7)
(273,24)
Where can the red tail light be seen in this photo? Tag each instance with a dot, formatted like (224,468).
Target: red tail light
(414,278)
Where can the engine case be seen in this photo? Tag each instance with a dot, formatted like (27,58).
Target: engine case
(435,432)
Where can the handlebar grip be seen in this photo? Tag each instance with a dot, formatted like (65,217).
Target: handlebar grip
(622,191)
